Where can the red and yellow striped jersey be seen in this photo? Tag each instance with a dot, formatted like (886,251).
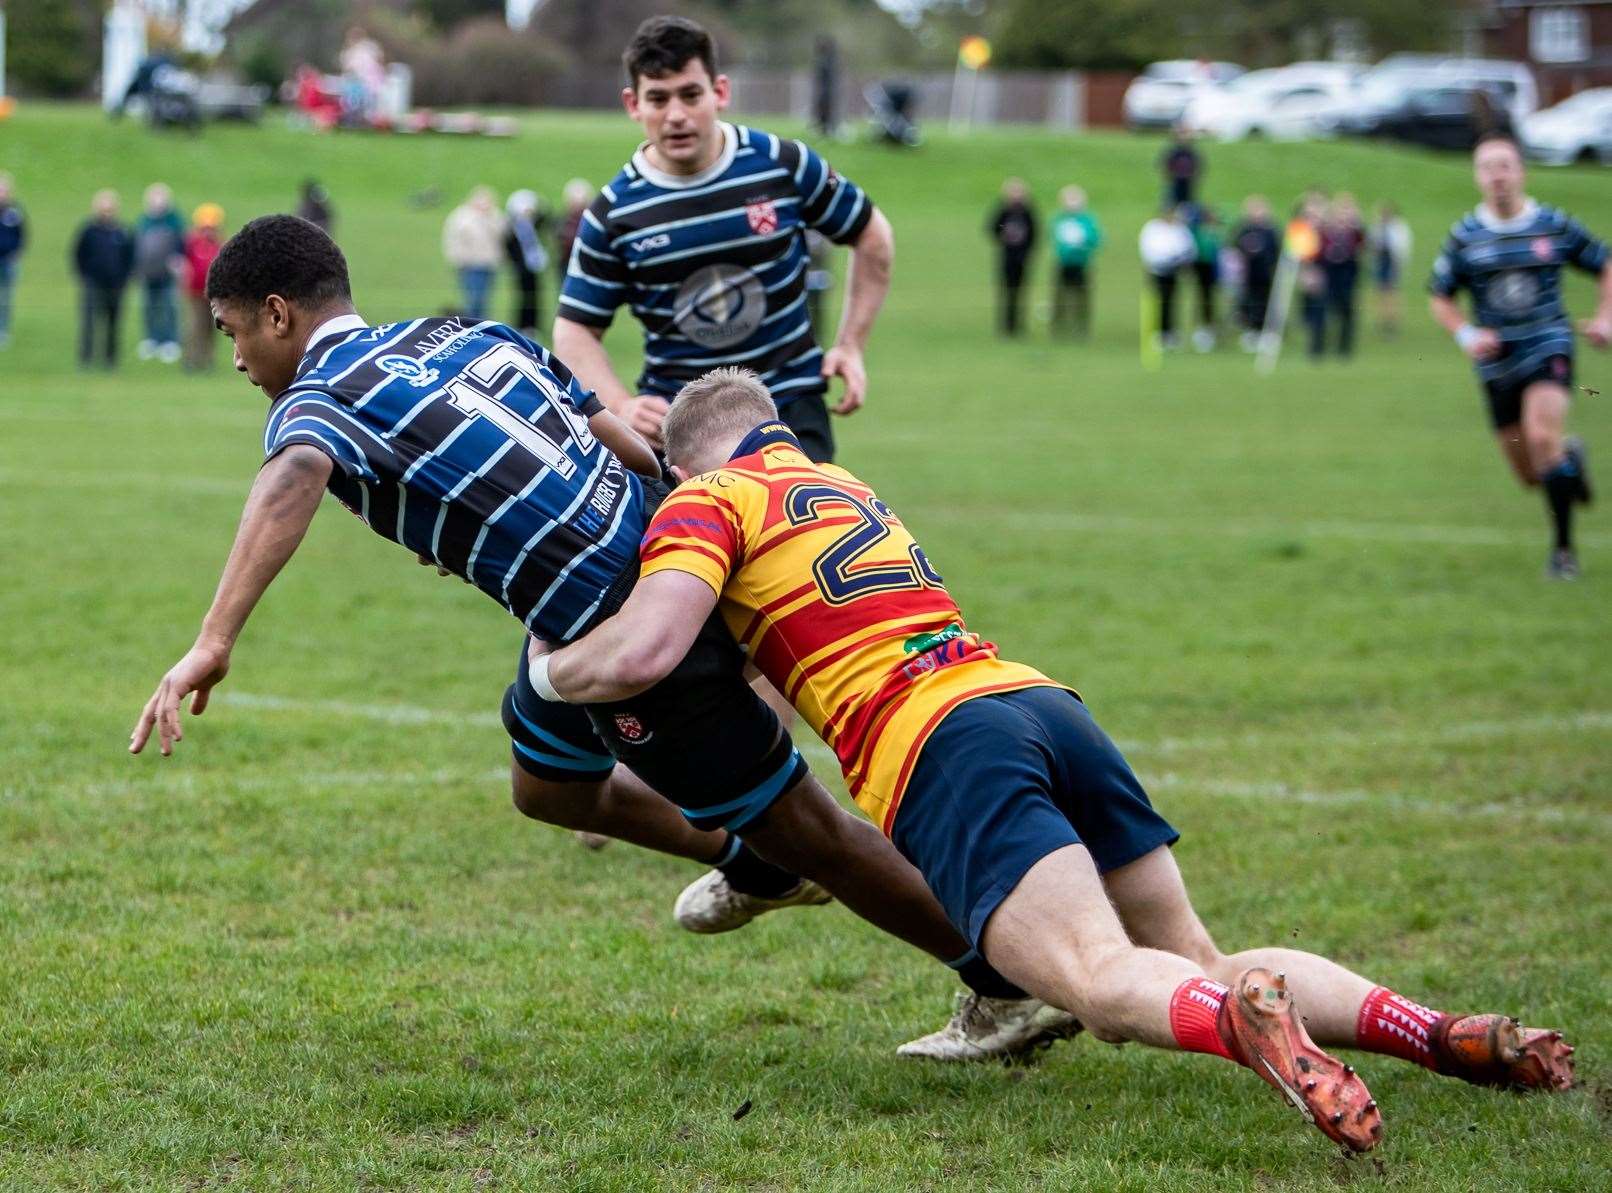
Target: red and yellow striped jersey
(836,604)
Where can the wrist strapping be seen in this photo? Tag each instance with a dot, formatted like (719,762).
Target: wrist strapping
(538,674)
(1466,334)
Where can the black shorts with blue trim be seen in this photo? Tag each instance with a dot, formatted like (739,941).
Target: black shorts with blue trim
(701,737)
(1006,779)
(1505,396)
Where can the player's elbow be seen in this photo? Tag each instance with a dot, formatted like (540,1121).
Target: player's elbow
(646,662)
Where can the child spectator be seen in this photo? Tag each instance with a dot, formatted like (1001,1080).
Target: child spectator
(1259,247)
(13,239)
(1013,227)
(103,259)
(1391,250)
(1206,237)
(159,250)
(1166,246)
(523,244)
(201,246)
(1076,237)
(1342,238)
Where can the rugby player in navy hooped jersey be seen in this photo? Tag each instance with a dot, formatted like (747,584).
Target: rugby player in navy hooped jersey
(1509,253)
(702,234)
(477,450)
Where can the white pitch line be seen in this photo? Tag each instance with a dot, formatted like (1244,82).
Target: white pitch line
(1016,518)
(405,714)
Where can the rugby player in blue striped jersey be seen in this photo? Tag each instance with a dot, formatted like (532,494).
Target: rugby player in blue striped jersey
(702,235)
(479,452)
(1509,253)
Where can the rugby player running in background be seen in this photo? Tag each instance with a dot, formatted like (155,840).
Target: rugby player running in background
(991,778)
(703,235)
(1509,253)
(478,451)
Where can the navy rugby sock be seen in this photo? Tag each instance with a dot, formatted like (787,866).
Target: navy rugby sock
(1562,485)
(750,874)
(981,977)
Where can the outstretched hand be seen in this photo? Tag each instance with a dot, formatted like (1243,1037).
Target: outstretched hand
(202,668)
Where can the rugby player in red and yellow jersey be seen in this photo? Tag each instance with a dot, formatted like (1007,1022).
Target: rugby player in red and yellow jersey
(991,778)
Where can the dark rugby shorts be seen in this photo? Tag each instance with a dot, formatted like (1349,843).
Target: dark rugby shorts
(701,737)
(1505,397)
(1006,779)
(808,420)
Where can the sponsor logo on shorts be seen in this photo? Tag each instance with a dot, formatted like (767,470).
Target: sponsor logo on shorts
(631,730)
(719,306)
(763,217)
(411,370)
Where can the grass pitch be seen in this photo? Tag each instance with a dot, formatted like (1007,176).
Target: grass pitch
(317,949)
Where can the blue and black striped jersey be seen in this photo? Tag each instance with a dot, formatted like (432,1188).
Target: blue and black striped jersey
(714,264)
(1513,270)
(469,444)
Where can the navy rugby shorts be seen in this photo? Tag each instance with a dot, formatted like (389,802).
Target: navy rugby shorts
(701,737)
(1006,779)
(1505,397)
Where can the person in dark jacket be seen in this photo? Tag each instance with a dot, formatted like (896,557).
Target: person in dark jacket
(1343,236)
(13,238)
(103,259)
(1181,167)
(1013,227)
(523,245)
(1258,243)
(314,206)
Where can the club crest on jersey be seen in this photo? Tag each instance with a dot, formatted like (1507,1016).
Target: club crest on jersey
(763,217)
(411,370)
(631,730)
(1543,248)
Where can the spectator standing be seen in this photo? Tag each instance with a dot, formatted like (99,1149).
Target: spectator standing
(1206,238)
(577,195)
(1390,252)
(363,76)
(1260,248)
(1182,167)
(314,206)
(159,252)
(819,278)
(1303,240)
(825,84)
(1166,246)
(1342,239)
(1076,237)
(473,243)
(103,259)
(201,246)
(1013,227)
(13,239)
(523,245)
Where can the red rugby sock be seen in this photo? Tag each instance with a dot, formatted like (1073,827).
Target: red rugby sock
(1195,1016)
(1393,1025)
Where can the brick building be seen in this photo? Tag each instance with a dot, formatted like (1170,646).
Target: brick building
(1568,43)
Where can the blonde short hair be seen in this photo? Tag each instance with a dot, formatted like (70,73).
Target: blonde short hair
(722,403)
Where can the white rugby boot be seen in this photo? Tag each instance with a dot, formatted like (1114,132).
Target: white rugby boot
(994,1029)
(709,905)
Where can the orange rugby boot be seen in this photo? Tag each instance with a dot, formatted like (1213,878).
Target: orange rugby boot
(1497,1050)
(1260,1027)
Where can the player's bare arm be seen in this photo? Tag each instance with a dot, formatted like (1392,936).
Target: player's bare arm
(582,349)
(629,446)
(635,649)
(867,281)
(1598,328)
(1479,343)
(278,512)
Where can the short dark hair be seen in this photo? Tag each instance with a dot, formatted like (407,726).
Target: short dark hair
(284,255)
(665,45)
(1497,134)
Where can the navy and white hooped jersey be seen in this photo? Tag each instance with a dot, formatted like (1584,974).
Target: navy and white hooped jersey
(469,444)
(714,264)
(1513,270)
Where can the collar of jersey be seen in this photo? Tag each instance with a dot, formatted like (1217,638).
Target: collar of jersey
(730,146)
(765,435)
(340,325)
(1516,223)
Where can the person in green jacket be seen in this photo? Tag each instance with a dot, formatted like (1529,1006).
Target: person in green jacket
(1076,237)
(1207,236)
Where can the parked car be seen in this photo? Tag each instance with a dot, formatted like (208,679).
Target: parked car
(1386,89)
(1448,115)
(1287,103)
(1157,97)
(1578,129)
